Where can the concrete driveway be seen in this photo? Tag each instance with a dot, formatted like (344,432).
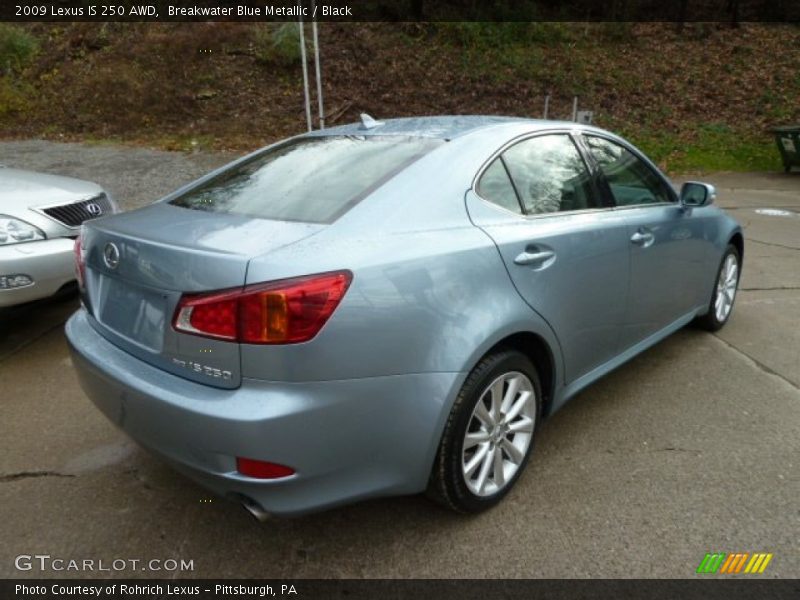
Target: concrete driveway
(693,447)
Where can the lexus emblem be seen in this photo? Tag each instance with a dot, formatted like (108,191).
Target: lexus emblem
(111,255)
(94,209)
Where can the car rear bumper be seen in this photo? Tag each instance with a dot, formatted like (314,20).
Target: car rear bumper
(49,263)
(346,439)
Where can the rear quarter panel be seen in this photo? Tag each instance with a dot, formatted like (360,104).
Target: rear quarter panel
(419,302)
(430,292)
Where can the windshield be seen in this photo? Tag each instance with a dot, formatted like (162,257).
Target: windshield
(309,179)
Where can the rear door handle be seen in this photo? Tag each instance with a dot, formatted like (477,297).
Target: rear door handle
(643,238)
(534,258)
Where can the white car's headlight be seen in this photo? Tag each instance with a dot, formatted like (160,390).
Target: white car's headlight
(14,231)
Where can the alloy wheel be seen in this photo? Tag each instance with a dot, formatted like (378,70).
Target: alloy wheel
(499,433)
(726,287)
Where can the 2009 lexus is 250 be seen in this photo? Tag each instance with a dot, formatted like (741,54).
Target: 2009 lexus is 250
(391,307)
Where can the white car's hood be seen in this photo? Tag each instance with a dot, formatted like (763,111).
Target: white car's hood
(20,190)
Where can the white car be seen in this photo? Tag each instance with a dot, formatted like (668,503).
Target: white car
(40,217)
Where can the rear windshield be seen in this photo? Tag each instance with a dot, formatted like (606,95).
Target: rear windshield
(312,180)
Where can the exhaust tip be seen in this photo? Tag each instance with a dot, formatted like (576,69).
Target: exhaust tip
(255,510)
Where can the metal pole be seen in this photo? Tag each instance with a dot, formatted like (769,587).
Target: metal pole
(317,69)
(575,108)
(546,106)
(305,72)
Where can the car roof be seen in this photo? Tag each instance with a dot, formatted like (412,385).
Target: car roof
(441,127)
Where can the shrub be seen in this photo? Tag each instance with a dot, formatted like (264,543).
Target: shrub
(479,35)
(277,43)
(618,31)
(17,47)
(14,97)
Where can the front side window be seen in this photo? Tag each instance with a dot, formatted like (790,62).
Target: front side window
(312,180)
(632,182)
(549,175)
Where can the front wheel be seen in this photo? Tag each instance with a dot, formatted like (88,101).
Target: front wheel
(489,434)
(722,299)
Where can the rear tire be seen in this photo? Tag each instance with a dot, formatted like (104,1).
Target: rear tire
(489,434)
(723,297)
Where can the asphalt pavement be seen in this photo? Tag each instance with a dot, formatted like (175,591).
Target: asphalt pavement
(692,447)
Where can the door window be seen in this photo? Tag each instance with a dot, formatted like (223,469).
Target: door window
(549,175)
(632,182)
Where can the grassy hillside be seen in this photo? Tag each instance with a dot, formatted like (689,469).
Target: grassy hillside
(702,98)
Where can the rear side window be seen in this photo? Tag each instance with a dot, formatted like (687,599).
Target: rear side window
(496,187)
(313,180)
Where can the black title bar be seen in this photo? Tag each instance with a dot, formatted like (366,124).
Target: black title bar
(700,588)
(400,10)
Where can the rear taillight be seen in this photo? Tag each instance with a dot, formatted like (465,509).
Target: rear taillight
(80,265)
(281,312)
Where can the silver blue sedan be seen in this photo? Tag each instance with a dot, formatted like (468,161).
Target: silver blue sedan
(389,308)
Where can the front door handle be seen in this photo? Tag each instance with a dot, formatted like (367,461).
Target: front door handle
(643,238)
(534,258)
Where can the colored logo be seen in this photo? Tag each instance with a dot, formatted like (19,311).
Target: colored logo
(734,563)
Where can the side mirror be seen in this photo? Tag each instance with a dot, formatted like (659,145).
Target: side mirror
(696,194)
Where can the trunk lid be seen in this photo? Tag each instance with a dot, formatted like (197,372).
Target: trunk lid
(138,264)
